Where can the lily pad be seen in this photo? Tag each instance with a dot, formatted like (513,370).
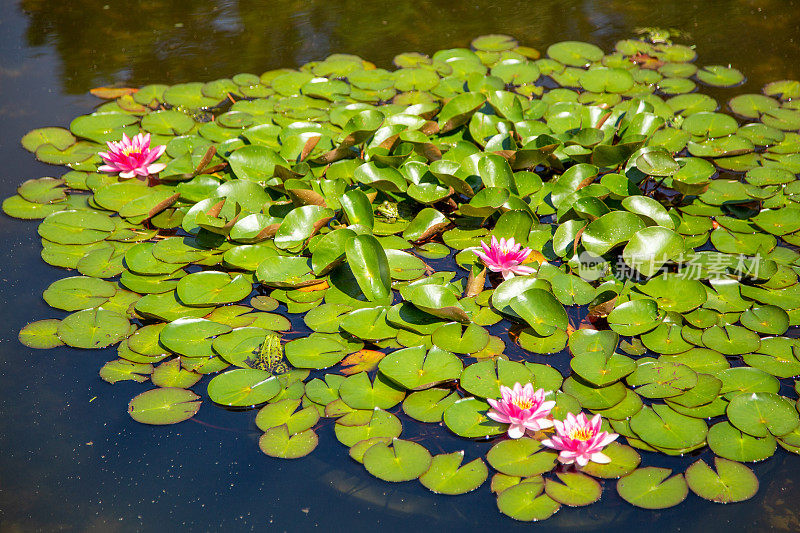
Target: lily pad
(164,406)
(652,488)
(243,387)
(402,461)
(446,474)
(732,481)
(278,442)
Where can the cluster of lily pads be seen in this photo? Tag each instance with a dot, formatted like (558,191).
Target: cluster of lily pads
(659,294)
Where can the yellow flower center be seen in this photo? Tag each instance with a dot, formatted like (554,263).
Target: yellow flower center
(522,403)
(582,434)
(130,150)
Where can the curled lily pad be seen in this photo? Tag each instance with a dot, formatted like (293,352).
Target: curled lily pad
(541,311)
(634,317)
(650,248)
(372,273)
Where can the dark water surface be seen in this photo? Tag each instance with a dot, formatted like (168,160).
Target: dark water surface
(70,457)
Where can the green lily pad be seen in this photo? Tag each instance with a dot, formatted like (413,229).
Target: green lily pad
(93,328)
(417,368)
(732,482)
(76,227)
(429,405)
(634,317)
(192,337)
(283,412)
(122,370)
(78,292)
(592,397)
(575,490)
(358,426)
(660,379)
(164,406)
(574,53)
(212,288)
(731,340)
(170,374)
(41,334)
(720,76)
(314,352)
(278,442)
(662,427)
(523,457)
(541,311)
(402,461)
(452,337)
(762,413)
(730,443)
(359,393)
(243,387)
(60,138)
(446,475)
(525,502)
(624,460)
(652,488)
(467,418)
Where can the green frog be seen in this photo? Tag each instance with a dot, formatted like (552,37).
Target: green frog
(389,210)
(676,121)
(661,35)
(270,356)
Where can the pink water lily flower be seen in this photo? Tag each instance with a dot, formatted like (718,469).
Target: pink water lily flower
(132,157)
(523,408)
(505,256)
(580,440)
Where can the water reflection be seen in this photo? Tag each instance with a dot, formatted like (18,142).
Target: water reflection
(113,41)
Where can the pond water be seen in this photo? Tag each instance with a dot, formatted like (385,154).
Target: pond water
(73,460)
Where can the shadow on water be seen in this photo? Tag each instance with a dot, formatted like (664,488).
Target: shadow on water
(73,460)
